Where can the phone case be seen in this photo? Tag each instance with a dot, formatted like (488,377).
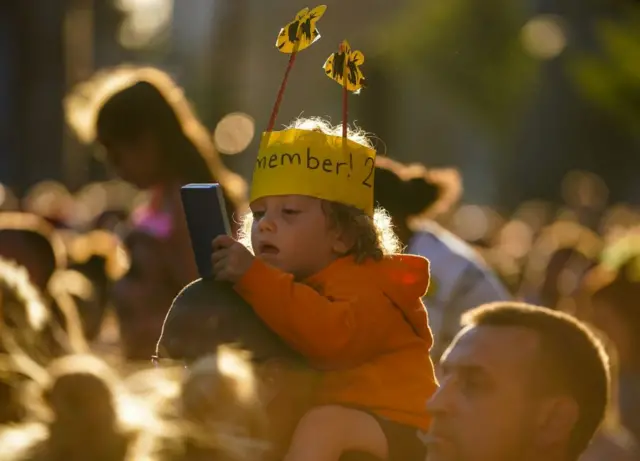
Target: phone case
(206,215)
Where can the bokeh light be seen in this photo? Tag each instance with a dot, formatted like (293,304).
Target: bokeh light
(535,213)
(90,201)
(516,239)
(145,22)
(471,223)
(233,133)
(543,37)
(50,199)
(618,221)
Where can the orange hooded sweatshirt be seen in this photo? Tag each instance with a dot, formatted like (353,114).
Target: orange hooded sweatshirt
(363,324)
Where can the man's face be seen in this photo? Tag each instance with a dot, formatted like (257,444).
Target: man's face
(485,409)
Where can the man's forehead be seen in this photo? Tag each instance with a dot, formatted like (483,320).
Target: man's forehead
(494,348)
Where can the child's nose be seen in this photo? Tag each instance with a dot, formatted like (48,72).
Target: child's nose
(267,223)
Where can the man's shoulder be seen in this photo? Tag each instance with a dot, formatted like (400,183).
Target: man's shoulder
(453,261)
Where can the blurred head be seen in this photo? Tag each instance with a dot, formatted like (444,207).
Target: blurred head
(302,235)
(406,191)
(220,397)
(81,392)
(518,382)
(30,250)
(563,275)
(614,308)
(145,140)
(31,242)
(207,314)
(557,262)
(81,396)
(150,131)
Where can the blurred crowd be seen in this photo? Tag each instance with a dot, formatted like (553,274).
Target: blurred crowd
(88,276)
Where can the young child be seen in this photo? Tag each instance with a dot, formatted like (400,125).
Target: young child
(327,279)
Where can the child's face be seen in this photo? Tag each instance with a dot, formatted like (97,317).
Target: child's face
(292,233)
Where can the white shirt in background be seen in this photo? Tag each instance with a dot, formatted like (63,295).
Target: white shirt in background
(460,281)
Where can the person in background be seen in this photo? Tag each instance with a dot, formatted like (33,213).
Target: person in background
(613,441)
(519,382)
(557,263)
(25,322)
(154,141)
(612,289)
(565,270)
(33,243)
(460,280)
(100,257)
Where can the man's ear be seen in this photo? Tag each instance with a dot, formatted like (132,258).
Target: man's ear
(557,419)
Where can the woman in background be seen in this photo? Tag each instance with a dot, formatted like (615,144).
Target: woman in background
(154,141)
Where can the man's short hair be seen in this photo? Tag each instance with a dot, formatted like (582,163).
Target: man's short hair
(573,360)
(207,314)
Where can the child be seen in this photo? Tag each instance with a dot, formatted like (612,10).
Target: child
(326,278)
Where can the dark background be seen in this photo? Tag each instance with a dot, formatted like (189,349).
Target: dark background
(514,93)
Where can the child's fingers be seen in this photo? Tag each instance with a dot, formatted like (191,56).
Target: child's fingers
(219,255)
(219,269)
(222,241)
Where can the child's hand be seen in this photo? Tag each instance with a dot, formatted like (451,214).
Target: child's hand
(230,259)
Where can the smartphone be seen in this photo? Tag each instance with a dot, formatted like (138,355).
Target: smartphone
(206,214)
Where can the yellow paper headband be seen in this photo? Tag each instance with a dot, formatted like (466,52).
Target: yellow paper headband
(312,163)
(301,162)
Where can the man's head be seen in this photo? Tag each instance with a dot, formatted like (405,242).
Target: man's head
(207,314)
(518,382)
(32,242)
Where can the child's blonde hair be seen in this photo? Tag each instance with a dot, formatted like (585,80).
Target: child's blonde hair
(373,237)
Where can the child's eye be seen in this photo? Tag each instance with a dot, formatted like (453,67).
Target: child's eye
(290,212)
(257,215)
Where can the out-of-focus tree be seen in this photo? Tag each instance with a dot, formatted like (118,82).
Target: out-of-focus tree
(468,51)
(611,78)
